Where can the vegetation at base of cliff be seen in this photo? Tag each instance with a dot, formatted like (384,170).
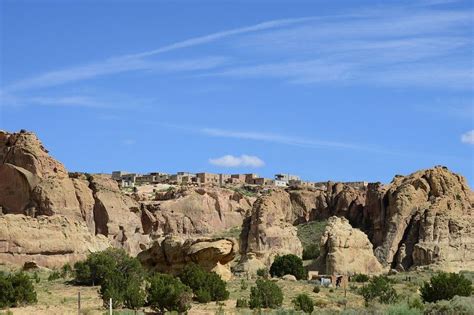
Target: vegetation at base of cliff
(120,277)
(303,303)
(167,293)
(207,286)
(288,265)
(379,288)
(444,286)
(265,294)
(16,289)
(310,235)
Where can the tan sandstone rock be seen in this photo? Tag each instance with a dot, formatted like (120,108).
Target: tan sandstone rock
(345,250)
(173,253)
(49,241)
(16,186)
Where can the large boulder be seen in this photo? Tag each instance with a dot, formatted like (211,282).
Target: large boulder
(172,253)
(50,241)
(346,250)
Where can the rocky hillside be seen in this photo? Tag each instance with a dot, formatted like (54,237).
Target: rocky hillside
(51,217)
(425,218)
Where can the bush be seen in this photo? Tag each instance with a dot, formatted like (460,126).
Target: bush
(16,289)
(55,275)
(303,303)
(265,294)
(311,252)
(243,285)
(203,296)
(402,309)
(459,305)
(242,303)
(120,277)
(288,265)
(317,289)
(166,293)
(262,272)
(36,277)
(201,281)
(360,278)
(444,286)
(379,288)
(66,271)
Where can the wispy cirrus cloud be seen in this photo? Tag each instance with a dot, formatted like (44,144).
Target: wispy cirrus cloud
(139,61)
(419,48)
(238,161)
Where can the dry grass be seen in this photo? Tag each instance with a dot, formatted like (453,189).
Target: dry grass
(59,297)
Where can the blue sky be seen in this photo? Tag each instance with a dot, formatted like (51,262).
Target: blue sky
(341,90)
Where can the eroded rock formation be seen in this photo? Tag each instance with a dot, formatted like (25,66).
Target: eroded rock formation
(346,250)
(425,218)
(173,253)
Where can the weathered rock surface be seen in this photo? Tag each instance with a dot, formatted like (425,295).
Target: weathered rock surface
(49,241)
(202,211)
(35,184)
(426,219)
(173,253)
(270,229)
(346,250)
(25,150)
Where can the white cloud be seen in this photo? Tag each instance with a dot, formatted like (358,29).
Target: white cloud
(468,137)
(238,161)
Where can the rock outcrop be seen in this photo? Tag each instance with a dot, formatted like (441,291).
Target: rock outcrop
(425,218)
(34,184)
(49,241)
(270,229)
(173,253)
(346,250)
(197,211)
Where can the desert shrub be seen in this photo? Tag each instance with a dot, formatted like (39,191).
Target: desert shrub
(380,289)
(36,277)
(265,294)
(459,305)
(444,286)
(55,275)
(16,289)
(262,272)
(304,303)
(120,277)
(166,293)
(316,289)
(66,270)
(402,309)
(201,281)
(360,278)
(311,252)
(331,290)
(203,296)
(243,285)
(288,265)
(242,303)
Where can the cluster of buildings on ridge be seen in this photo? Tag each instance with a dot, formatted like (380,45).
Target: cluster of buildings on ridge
(185,178)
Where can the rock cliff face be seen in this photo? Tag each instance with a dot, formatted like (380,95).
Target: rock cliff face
(270,229)
(172,254)
(50,241)
(425,218)
(38,188)
(198,211)
(345,250)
